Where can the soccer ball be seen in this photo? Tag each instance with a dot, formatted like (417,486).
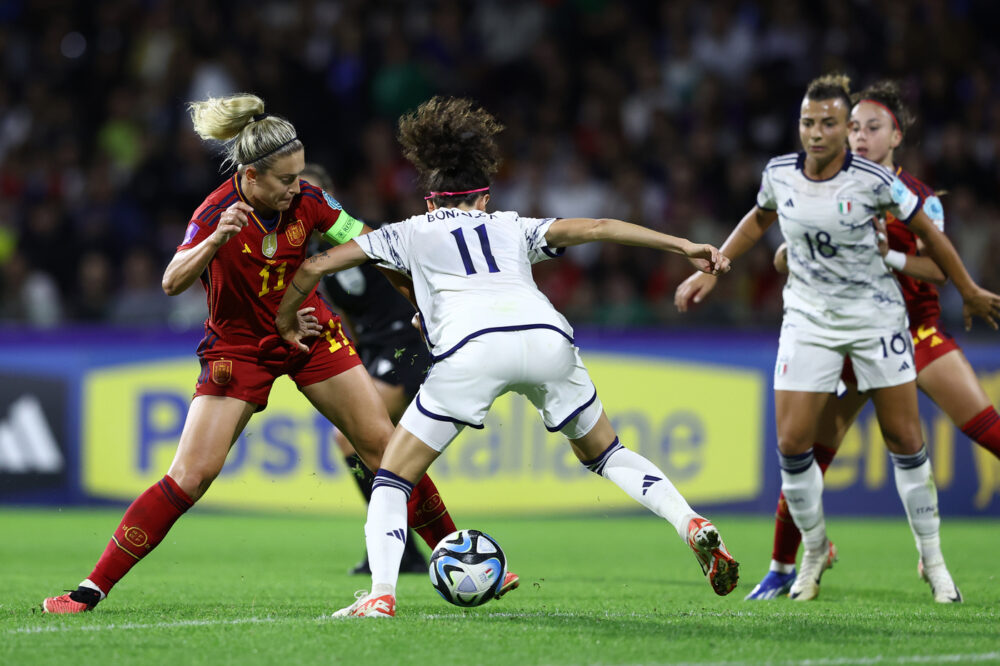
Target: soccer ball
(467,568)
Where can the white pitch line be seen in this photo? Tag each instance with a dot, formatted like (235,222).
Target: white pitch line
(152,625)
(837,661)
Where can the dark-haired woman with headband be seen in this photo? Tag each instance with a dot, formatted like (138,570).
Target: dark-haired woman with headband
(244,243)
(491,331)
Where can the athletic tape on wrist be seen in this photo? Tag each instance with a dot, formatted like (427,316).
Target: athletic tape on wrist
(895,259)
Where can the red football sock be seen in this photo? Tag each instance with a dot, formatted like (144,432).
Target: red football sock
(427,514)
(984,430)
(143,526)
(786,535)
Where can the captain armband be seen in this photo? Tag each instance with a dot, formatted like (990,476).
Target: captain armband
(344,229)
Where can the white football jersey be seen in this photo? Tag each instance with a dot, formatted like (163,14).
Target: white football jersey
(837,280)
(471,272)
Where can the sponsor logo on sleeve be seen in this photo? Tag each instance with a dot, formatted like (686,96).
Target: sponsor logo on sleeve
(331,202)
(934,210)
(189,235)
(903,196)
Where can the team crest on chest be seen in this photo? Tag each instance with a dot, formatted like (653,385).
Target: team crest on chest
(296,233)
(270,245)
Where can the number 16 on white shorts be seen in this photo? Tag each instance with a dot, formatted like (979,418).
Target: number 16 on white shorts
(814,362)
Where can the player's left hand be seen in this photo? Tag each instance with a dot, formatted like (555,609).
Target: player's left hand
(707,258)
(305,325)
(983,304)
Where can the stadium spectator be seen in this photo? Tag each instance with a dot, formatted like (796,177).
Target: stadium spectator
(530,61)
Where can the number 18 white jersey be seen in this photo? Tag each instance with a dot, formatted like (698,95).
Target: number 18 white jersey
(471,272)
(837,280)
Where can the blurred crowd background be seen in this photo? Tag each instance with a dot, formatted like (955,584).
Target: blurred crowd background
(661,113)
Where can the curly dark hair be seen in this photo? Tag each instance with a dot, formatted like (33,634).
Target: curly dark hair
(888,94)
(451,142)
(830,86)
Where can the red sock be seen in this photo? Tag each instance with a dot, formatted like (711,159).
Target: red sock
(427,514)
(984,430)
(143,526)
(786,535)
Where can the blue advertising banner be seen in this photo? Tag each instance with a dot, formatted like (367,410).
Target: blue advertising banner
(94,416)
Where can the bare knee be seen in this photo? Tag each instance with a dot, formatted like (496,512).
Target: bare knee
(905,440)
(370,441)
(193,479)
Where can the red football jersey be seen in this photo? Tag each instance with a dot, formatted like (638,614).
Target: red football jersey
(247,277)
(921,297)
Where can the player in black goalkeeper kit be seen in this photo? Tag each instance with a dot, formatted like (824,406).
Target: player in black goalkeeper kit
(378,318)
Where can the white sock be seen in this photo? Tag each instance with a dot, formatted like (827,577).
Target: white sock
(802,484)
(645,483)
(93,586)
(385,532)
(916,488)
(781,567)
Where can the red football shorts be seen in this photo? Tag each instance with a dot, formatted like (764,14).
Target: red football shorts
(247,372)
(930,342)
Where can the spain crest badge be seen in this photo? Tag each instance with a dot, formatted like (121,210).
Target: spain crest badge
(222,372)
(295,233)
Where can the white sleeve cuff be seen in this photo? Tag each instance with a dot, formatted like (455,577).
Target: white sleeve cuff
(895,260)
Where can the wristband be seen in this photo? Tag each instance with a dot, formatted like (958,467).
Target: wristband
(344,229)
(895,260)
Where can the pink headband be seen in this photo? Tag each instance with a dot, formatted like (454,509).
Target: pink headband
(887,110)
(455,194)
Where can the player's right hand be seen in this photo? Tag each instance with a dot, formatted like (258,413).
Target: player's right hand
(304,325)
(983,304)
(693,290)
(232,220)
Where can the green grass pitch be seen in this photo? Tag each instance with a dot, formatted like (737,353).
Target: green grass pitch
(254,589)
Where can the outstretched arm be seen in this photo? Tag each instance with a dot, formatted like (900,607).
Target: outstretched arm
(746,234)
(578,230)
(305,279)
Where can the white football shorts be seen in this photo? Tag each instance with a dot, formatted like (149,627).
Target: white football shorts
(540,364)
(810,361)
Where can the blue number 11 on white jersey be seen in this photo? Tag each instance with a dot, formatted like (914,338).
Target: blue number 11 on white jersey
(484,244)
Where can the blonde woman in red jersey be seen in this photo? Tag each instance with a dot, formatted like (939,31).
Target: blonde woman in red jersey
(244,243)
(879,121)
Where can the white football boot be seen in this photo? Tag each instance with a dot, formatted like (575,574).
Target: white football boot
(814,563)
(367,605)
(942,586)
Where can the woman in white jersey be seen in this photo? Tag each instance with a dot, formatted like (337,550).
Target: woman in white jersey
(492,331)
(841,299)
